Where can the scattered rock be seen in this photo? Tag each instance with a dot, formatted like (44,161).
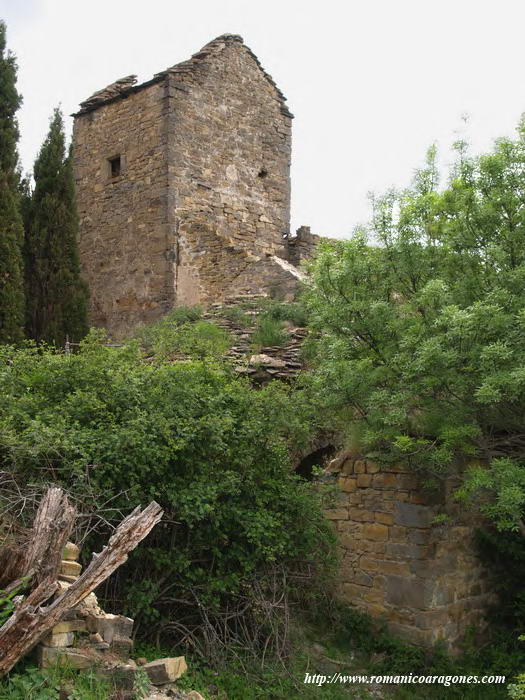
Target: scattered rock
(71,552)
(76,658)
(70,568)
(65,639)
(166,670)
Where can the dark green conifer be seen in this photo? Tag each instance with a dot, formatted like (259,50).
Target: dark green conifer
(11,228)
(56,296)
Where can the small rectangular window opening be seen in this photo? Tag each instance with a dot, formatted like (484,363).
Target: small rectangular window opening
(114,166)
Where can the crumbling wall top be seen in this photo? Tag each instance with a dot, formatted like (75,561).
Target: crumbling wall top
(124,87)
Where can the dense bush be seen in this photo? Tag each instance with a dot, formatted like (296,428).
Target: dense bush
(294,312)
(183,332)
(423,325)
(204,444)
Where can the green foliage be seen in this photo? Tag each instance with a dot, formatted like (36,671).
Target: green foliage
(11,228)
(141,684)
(46,684)
(294,312)
(180,332)
(237,315)
(423,324)
(56,296)
(517,690)
(209,448)
(500,490)
(268,332)
(6,602)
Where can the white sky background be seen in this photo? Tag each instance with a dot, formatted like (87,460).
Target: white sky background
(372,83)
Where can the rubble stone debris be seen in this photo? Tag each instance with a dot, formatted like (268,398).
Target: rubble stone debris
(93,638)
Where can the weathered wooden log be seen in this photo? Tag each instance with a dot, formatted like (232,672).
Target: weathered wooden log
(30,622)
(51,529)
(39,556)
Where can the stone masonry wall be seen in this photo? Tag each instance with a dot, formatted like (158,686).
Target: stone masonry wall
(302,245)
(229,162)
(202,198)
(126,245)
(424,579)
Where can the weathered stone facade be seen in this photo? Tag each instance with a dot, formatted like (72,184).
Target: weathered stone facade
(302,245)
(422,577)
(183,185)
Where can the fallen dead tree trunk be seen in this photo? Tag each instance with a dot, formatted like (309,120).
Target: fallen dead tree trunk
(30,621)
(51,529)
(38,556)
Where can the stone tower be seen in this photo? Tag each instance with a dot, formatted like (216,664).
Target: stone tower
(183,186)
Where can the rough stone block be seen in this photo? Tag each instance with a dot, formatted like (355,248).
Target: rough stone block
(347,485)
(110,627)
(353,592)
(122,646)
(384,518)
(419,536)
(374,547)
(70,568)
(408,593)
(64,639)
(49,656)
(364,480)
(412,515)
(398,534)
(399,568)
(166,670)
(336,514)
(385,481)
(374,595)
(375,531)
(69,626)
(88,607)
(363,579)
(361,515)
(369,564)
(71,552)
(347,467)
(372,467)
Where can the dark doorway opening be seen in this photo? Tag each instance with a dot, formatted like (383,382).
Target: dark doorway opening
(319,458)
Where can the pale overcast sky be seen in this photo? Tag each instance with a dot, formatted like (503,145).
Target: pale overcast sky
(372,83)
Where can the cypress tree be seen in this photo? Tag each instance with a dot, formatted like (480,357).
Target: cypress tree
(56,296)
(11,228)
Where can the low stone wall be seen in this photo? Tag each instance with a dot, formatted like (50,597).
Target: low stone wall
(397,562)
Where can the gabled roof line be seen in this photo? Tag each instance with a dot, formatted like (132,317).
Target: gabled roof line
(124,87)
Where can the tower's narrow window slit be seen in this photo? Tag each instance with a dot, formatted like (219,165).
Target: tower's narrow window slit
(114,166)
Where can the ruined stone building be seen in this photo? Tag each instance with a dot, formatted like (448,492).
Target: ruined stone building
(183,192)
(183,187)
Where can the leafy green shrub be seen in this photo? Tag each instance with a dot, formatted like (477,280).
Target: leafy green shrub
(237,315)
(268,332)
(46,684)
(422,324)
(176,334)
(294,312)
(6,602)
(204,444)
